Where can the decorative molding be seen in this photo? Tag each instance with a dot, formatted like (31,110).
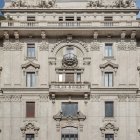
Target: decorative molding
(132,98)
(127,46)
(16,34)
(111,3)
(29,128)
(95,98)
(95,46)
(8,46)
(44,98)
(30,63)
(123,98)
(79,116)
(109,128)
(110,64)
(44,46)
(16,98)
(52,61)
(6,35)
(68,42)
(86,61)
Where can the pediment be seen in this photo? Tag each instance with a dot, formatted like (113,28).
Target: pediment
(109,126)
(30,64)
(109,64)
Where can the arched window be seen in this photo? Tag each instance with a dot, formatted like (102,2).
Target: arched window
(69,133)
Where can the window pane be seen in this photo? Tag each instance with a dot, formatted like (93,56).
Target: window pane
(108,50)
(109,109)
(29,136)
(69,109)
(30,109)
(69,77)
(60,77)
(30,50)
(109,136)
(78,77)
(30,79)
(108,79)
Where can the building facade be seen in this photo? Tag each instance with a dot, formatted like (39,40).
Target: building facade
(70,70)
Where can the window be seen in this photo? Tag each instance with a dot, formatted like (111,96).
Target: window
(109,136)
(30,18)
(78,18)
(108,50)
(108,79)
(78,77)
(60,77)
(30,79)
(108,18)
(69,77)
(30,109)
(30,136)
(69,18)
(69,133)
(31,50)
(60,18)
(69,109)
(109,109)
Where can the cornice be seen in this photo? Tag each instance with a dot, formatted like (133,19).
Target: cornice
(74,10)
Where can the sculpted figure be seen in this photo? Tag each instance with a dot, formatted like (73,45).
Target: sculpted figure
(94,3)
(47,4)
(125,3)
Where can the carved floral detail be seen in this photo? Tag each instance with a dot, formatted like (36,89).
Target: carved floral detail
(30,63)
(126,46)
(29,128)
(8,46)
(109,128)
(44,46)
(95,46)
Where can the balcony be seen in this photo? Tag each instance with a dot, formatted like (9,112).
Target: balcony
(70,88)
(67,24)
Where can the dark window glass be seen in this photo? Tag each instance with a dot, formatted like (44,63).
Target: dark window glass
(30,109)
(60,18)
(109,136)
(109,109)
(107,18)
(30,18)
(69,109)
(29,136)
(69,18)
(78,18)
(69,77)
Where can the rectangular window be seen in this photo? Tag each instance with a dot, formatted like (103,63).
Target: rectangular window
(60,77)
(108,50)
(109,136)
(69,109)
(108,18)
(109,109)
(60,18)
(31,50)
(78,77)
(108,79)
(30,79)
(30,109)
(78,18)
(30,136)
(30,18)
(69,77)
(69,18)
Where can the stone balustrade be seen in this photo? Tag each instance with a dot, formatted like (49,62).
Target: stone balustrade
(68,24)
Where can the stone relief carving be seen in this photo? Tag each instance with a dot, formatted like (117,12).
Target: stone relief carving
(109,63)
(30,63)
(95,98)
(69,42)
(12,98)
(112,3)
(109,128)
(44,46)
(7,46)
(95,46)
(33,3)
(29,128)
(127,98)
(44,98)
(74,121)
(127,46)
(122,98)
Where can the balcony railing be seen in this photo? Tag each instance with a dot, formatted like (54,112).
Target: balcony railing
(68,24)
(70,87)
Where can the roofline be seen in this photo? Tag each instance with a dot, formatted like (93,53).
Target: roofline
(74,10)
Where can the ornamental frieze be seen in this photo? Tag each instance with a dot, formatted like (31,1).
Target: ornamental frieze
(44,46)
(95,46)
(8,46)
(127,46)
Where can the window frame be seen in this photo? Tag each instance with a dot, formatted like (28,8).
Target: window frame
(31,45)
(68,105)
(32,115)
(109,137)
(30,83)
(105,108)
(107,50)
(107,74)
